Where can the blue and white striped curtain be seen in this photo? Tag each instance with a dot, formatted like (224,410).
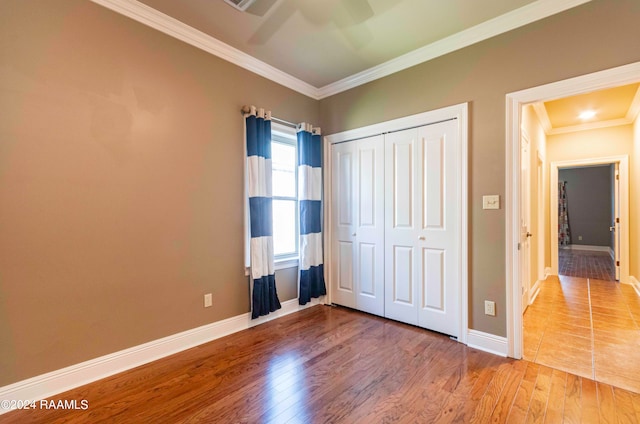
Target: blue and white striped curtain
(310,200)
(258,131)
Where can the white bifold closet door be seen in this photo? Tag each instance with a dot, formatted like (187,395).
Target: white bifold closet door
(421,273)
(358,224)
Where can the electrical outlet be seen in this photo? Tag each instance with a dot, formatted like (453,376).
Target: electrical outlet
(208,300)
(490,308)
(579,237)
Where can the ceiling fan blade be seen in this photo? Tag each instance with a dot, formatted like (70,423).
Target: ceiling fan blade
(273,23)
(260,7)
(359,10)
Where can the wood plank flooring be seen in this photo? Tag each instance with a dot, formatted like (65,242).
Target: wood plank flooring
(587,327)
(334,365)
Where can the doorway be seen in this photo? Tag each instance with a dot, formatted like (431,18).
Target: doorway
(619,209)
(516,306)
(515,101)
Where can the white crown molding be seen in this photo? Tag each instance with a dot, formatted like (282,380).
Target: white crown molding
(589,126)
(634,109)
(155,19)
(525,15)
(54,382)
(543,116)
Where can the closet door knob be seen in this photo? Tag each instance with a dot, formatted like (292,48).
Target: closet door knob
(421,238)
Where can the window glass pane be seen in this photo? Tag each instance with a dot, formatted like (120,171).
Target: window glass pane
(284,227)
(283,162)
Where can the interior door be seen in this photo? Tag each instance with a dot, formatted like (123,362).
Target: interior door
(369,225)
(358,224)
(342,217)
(525,216)
(421,261)
(402,270)
(438,259)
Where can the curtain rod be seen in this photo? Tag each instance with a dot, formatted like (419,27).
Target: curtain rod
(247,109)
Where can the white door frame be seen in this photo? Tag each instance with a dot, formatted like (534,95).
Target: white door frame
(622,75)
(459,112)
(623,161)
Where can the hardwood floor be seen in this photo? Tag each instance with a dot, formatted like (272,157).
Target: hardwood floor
(334,365)
(586,327)
(586,264)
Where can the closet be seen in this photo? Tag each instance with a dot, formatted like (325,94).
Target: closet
(395,227)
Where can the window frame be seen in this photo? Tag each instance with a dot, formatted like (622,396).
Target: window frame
(287,136)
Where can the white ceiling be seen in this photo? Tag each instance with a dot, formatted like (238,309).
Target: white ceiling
(321,47)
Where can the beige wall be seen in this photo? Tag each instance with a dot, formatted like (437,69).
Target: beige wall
(121,184)
(595,36)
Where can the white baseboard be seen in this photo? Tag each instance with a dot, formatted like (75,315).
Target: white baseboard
(635,283)
(535,290)
(547,272)
(588,247)
(487,342)
(52,383)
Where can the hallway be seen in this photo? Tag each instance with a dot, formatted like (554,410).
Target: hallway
(588,327)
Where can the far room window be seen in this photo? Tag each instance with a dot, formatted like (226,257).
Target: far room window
(285,188)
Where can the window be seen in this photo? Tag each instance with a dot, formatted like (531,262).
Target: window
(285,189)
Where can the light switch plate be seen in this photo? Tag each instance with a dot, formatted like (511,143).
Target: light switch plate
(491,201)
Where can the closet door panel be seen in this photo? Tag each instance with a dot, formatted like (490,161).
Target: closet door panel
(370,225)
(437,237)
(402,271)
(342,183)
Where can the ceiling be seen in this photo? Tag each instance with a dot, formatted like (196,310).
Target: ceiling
(612,106)
(321,47)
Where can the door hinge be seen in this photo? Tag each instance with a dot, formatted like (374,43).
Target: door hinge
(617,176)
(617,263)
(617,220)
(518,246)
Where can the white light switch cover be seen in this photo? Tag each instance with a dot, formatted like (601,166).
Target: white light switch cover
(491,201)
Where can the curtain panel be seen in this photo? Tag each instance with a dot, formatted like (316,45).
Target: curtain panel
(310,200)
(259,189)
(564,234)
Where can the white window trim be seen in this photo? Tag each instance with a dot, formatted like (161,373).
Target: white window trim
(287,135)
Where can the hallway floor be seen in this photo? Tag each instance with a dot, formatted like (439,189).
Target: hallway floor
(586,327)
(586,263)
